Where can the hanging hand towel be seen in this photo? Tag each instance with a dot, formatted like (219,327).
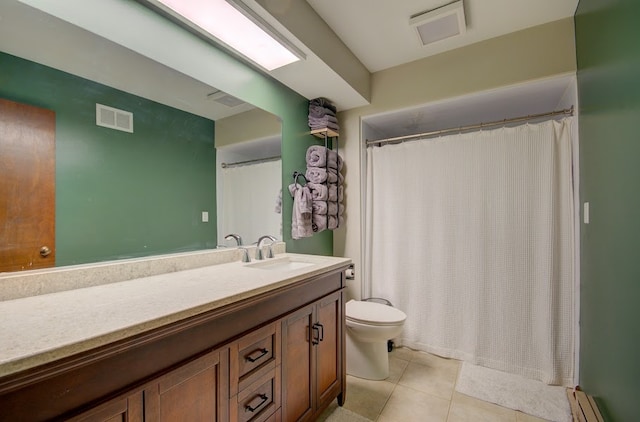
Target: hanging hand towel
(301,223)
(278,207)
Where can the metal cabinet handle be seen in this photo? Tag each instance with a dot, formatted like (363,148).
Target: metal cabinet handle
(45,251)
(263,400)
(262,352)
(319,330)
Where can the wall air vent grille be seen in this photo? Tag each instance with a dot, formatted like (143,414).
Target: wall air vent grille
(114,118)
(225,99)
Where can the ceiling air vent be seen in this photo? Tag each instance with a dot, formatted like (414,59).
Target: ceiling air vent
(113,118)
(224,99)
(444,22)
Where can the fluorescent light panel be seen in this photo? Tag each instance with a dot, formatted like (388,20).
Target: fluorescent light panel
(231,27)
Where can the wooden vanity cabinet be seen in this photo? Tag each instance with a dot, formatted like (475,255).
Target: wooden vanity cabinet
(276,356)
(195,391)
(313,345)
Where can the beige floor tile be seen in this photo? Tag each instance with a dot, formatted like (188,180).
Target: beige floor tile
(438,380)
(434,361)
(465,408)
(407,405)
(396,369)
(523,417)
(365,397)
(403,353)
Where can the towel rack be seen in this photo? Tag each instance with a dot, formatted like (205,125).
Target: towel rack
(296,175)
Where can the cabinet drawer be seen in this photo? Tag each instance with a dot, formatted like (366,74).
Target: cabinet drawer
(252,355)
(259,401)
(255,355)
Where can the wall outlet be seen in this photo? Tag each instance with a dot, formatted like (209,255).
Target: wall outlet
(205,216)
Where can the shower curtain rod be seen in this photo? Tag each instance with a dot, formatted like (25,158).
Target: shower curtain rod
(399,139)
(257,160)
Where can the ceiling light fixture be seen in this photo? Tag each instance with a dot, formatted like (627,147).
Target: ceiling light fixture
(235,26)
(444,22)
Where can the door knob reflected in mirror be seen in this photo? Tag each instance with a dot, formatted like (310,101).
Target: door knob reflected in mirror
(45,251)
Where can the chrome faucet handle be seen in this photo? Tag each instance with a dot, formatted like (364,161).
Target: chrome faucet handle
(234,236)
(245,254)
(259,254)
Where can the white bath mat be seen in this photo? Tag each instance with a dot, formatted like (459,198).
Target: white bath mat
(515,392)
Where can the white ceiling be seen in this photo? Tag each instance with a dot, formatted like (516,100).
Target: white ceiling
(378,33)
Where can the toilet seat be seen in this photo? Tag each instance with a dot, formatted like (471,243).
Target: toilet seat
(372,313)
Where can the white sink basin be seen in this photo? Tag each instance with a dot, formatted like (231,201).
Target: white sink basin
(281,264)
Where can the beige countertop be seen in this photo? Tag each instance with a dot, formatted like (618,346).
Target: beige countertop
(40,329)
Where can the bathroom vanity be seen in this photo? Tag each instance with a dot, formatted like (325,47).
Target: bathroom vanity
(242,342)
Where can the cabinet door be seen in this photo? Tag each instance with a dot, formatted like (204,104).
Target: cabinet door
(123,409)
(196,391)
(298,362)
(329,347)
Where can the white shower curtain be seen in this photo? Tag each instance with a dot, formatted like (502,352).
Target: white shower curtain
(249,195)
(472,236)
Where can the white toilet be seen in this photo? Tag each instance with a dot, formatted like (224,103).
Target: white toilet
(369,326)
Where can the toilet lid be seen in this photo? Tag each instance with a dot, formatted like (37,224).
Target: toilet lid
(373,313)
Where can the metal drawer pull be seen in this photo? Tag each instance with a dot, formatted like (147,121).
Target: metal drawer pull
(262,353)
(315,338)
(263,400)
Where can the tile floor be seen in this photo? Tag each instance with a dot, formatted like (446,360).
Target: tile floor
(421,387)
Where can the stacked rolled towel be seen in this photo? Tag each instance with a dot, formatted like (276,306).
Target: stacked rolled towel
(322,114)
(321,175)
(323,157)
(324,181)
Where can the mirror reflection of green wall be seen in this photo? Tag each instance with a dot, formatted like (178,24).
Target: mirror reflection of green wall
(120,194)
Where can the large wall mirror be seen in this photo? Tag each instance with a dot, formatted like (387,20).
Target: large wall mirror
(121,194)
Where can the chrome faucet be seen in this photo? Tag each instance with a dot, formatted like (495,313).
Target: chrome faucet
(234,236)
(245,254)
(259,247)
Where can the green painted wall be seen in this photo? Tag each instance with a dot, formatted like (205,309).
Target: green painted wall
(608,55)
(120,194)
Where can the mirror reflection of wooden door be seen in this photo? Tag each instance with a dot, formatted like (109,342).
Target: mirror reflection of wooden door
(27,187)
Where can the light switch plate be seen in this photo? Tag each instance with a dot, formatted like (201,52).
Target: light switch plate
(585,213)
(205,216)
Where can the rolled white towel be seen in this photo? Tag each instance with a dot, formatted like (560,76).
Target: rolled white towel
(322,207)
(335,193)
(320,222)
(319,192)
(320,156)
(321,175)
